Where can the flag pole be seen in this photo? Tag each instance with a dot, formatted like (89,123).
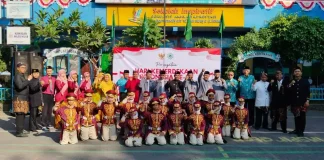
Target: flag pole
(114,40)
(164,35)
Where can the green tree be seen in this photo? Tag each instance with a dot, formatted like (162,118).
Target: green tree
(133,36)
(54,28)
(204,43)
(253,40)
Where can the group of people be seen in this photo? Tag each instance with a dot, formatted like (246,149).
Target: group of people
(146,110)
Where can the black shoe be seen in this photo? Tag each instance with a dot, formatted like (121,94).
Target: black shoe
(300,134)
(21,135)
(293,132)
(284,131)
(272,129)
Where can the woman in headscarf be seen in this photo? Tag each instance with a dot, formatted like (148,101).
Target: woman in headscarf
(106,85)
(85,84)
(96,97)
(73,86)
(61,86)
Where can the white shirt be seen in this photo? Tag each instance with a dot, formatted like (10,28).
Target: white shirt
(262,95)
(279,84)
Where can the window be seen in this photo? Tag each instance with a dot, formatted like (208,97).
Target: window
(61,63)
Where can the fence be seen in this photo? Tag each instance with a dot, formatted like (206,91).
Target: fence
(5,94)
(316,94)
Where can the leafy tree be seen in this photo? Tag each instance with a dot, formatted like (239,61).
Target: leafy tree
(204,43)
(72,30)
(253,40)
(133,36)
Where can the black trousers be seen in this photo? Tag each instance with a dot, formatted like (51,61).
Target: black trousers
(279,115)
(300,122)
(122,96)
(20,120)
(261,117)
(34,119)
(250,105)
(48,100)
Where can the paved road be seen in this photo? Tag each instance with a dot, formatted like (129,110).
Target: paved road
(263,145)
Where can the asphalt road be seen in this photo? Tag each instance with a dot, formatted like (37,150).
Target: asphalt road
(263,145)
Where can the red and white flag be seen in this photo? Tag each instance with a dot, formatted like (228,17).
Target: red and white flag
(287,3)
(268,4)
(306,5)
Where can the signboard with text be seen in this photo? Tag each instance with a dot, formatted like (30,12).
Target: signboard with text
(18,9)
(18,35)
(262,54)
(168,59)
(176,16)
(150,2)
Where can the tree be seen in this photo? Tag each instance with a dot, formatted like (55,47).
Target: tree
(53,28)
(253,40)
(133,36)
(204,43)
(298,38)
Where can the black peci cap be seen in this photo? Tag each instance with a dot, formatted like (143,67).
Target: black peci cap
(217,71)
(126,71)
(177,72)
(148,71)
(35,71)
(49,67)
(206,72)
(246,67)
(19,64)
(189,72)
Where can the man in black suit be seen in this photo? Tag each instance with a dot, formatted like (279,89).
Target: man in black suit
(299,91)
(36,101)
(279,101)
(174,86)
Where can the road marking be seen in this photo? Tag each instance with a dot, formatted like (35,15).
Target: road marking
(222,151)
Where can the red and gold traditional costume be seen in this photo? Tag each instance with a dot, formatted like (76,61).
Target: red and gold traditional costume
(197,123)
(175,98)
(88,117)
(157,124)
(68,119)
(241,121)
(208,105)
(164,104)
(215,123)
(127,103)
(133,124)
(188,105)
(144,106)
(108,117)
(227,110)
(176,121)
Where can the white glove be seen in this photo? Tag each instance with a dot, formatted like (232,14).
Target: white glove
(105,117)
(66,124)
(85,118)
(123,118)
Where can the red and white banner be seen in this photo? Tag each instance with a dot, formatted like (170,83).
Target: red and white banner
(168,59)
(321,4)
(83,2)
(45,3)
(268,4)
(63,3)
(287,3)
(307,5)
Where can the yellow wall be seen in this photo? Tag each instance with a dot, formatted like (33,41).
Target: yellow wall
(176,16)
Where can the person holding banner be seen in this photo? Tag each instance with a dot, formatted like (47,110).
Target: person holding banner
(190,85)
(147,84)
(204,85)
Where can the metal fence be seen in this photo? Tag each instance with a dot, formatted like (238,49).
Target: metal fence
(316,94)
(5,94)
